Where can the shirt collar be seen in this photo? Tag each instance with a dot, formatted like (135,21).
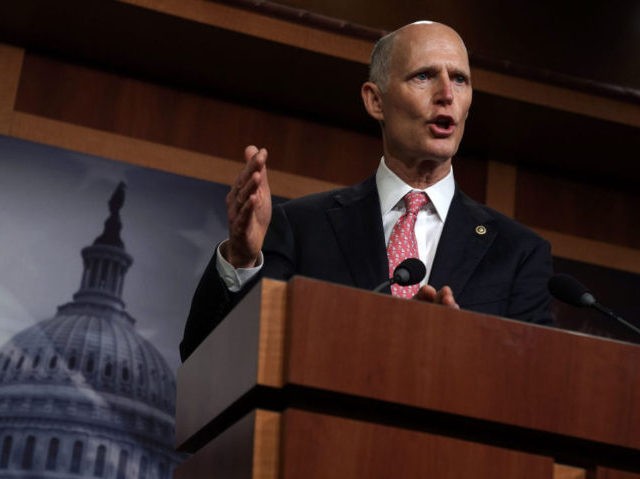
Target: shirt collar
(391,190)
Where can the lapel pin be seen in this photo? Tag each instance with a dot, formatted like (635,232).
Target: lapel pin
(481,230)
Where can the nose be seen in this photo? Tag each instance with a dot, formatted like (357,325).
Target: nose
(444,92)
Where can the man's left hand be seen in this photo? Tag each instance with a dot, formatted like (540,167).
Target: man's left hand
(444,296)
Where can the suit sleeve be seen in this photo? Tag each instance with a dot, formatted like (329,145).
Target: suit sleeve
(212,300)
(530,299)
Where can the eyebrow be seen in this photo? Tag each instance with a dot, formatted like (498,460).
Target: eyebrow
(423,69)
(437,69)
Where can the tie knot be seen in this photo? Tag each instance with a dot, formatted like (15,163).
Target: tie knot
(414,201)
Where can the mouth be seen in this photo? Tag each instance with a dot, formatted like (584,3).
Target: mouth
(442,126)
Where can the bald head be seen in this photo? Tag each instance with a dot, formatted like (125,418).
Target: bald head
(404,38)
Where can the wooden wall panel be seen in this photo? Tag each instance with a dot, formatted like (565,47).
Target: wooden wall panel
(263,26)
(130,107)
(471,174)
(606,473)
(593,211)
(559,98)
(153,155)
(501,187)
(593,252)
(10,67)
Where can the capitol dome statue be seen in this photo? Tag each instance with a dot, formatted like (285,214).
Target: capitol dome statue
(83,395)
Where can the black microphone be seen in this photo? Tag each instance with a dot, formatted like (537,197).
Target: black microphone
(569,290)
(410,271)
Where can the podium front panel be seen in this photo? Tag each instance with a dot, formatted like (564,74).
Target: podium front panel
(457,362)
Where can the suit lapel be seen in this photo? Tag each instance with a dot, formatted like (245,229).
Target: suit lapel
(467,235)
(357,224)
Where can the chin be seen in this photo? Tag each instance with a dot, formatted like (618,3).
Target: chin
(444,151)
(433,150)
(439,155)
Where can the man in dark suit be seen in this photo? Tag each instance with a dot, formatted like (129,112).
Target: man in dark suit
(420,92)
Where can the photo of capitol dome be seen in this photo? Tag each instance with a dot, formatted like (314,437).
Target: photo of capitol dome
(83,394)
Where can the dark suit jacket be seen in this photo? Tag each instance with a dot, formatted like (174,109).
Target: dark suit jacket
(338,237)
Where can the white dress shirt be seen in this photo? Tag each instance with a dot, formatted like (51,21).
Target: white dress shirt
(391,190)
(430,220)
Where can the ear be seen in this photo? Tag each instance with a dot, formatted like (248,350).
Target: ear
(372,99)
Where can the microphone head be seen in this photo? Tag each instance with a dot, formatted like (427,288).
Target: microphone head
(410,271)
(569,290)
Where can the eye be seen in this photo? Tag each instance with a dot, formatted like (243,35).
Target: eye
(460,78)
(422,76)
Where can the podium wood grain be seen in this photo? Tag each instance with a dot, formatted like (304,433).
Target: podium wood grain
(299,444)
(474,365)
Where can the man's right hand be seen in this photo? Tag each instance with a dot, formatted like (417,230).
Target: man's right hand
(248,210)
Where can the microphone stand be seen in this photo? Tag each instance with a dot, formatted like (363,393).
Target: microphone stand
(382,285)
(611,314)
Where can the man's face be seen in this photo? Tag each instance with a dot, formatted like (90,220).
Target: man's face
(427,97)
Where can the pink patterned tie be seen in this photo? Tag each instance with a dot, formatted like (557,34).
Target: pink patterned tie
(402,243)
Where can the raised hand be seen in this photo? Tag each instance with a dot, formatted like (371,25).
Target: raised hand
(248,210)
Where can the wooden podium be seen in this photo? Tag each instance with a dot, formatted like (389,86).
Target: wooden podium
(309,380)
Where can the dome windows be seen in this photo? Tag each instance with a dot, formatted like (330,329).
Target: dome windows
(27,455)
(98,469)
(72,361)
(126,375)
(142,471)
(52,454)
(90,364)
(5,366)
(122,464)
(76,458)
(36,360)
(5,454)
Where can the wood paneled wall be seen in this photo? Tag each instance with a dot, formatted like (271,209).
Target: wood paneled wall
(160,114)
(586,209)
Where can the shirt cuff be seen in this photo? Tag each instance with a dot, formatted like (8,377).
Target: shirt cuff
(235,278)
